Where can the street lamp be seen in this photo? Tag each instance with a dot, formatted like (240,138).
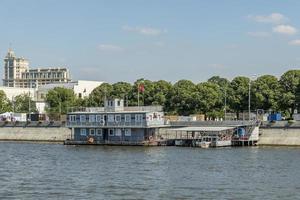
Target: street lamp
(249,96)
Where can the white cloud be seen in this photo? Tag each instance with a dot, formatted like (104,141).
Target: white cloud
(295,42)
(259,34)
(285,29)
(109,47)
(274,18)
(144,30)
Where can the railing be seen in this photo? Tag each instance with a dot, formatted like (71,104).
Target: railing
(129,108)
(107,124)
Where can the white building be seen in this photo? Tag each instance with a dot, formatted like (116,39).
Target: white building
(12,92)
(81,89)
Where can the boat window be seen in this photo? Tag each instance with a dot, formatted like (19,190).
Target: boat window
(92,131)
(72,118)
(111,132)
(127,132)
(99,132)
(110,118)
(82,118)
(127,118)
(118,132)
(83,132)
(92,118)
(118,118)
(98,118)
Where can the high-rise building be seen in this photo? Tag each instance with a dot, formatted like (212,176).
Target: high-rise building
(18,74)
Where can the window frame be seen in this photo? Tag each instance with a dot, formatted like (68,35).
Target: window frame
(127,117)
(92,129)
(83,131)
(127,132)
(109,132)
(82,117)
(99,130)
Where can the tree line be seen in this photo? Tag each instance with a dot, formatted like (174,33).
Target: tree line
(184,97)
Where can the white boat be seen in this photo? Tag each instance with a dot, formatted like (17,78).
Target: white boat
(205,144)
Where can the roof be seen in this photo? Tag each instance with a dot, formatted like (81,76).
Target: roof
(204,129)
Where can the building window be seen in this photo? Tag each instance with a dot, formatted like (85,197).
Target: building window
(138,118)
(82,118)
(72,118)
(118,118)
(80,95)
(119,103)
(127,132)
(110,118)
(118,132)
(83,132)
(92,118)
(127,118)
(111,132)
(92,131)
(99,132)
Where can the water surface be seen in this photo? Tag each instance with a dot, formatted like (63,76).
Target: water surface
(54,171)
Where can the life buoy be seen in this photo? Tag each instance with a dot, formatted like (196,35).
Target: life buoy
(90,140)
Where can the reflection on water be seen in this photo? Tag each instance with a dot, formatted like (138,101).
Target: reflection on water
(53,171)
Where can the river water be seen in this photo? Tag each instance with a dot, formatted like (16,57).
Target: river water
(54,171)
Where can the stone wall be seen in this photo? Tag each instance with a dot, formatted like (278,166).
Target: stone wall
(279,136)
(47,134)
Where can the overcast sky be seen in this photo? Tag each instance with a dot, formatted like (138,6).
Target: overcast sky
(116,40)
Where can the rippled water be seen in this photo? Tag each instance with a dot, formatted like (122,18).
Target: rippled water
(54,171)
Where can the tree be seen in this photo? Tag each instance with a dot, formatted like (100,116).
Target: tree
(161,90)
(289,82)
(97,96)
(209,99)
(5,104)
(122,90)
(238,94)
(181,98)
(60,100)
(24,104)
(222,82)
(266,90)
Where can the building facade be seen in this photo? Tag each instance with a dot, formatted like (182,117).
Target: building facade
(18,74)
(115,124)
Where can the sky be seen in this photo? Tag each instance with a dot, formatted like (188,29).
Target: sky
(124,40)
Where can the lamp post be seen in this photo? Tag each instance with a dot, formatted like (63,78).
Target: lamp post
(225,102)
(249,96)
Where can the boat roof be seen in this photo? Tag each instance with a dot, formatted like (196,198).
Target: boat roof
(204,129)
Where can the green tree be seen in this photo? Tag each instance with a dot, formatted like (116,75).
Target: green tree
(98,95)
(289,82)
(5,104)
(23,103)
(122,90)
(182,98)
(161,90)
(238,94)
(266,91)
(209,99)
(60,100)
(222,82)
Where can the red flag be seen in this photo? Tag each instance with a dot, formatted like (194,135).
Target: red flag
(141,88)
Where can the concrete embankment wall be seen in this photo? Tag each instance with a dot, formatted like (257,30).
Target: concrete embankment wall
(279,136)
(47,134)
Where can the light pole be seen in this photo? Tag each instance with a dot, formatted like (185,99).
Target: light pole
(225,102)
(249,97)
